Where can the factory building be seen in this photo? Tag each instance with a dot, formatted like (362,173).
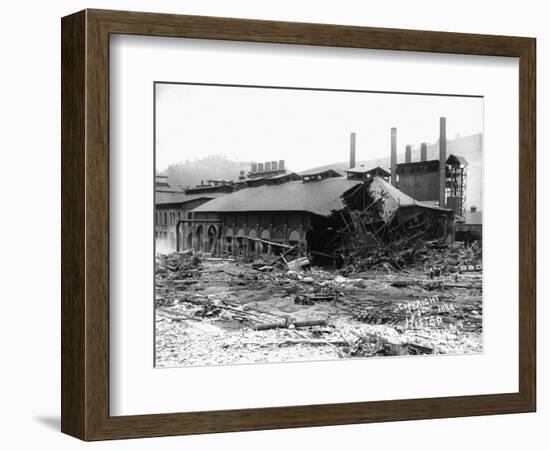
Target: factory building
(271,211)
(267,219)
(173,204)
(441,181)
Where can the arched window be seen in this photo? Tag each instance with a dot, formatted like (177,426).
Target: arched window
(294,237)
(266,236)
(229,240)
(252,244)
(278,235)
(212,235)
(199,236)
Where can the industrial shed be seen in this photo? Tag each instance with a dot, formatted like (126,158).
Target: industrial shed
(265,220)
(308,217)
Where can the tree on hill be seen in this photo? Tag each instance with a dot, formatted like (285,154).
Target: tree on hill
(211,167)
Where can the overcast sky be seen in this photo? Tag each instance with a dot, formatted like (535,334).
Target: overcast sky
(305,128)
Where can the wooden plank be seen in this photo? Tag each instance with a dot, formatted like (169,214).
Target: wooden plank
(73,269)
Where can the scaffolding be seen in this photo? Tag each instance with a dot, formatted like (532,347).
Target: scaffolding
(455,184)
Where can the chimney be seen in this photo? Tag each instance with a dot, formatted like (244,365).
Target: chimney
(393,157)
(267,166)
(281,164)
(253,167)
(352,150)
(273,165)
(408,154)
(423,152)
(442,160)
(260,167)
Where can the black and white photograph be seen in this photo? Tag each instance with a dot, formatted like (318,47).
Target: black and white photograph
(275,225)
(301,224)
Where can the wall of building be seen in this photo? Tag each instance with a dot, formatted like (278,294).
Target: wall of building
(232,228)
(166,219)
(420,185)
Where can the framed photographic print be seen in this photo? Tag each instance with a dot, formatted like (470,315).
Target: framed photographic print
(272,224)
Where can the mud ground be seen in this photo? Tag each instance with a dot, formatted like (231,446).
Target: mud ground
(210,315)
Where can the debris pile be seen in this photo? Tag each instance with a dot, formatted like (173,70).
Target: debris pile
(381,228)
(173,272)
(432,257)
(218,311)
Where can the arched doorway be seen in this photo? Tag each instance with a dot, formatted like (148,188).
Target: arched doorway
(278,236)
(199,233)
(294,241)
(294,238)
(229,241)
(265,236)
(252,247)
(241,242)
(189,241)
(212,234)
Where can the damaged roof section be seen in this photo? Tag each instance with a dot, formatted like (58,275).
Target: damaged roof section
(379,216)
(391,199)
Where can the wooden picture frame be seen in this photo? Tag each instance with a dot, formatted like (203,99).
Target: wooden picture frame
(85,224)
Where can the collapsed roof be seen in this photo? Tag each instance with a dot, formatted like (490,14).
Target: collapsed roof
(392,199)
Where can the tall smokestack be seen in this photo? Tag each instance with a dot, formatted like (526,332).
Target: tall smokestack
(352,150)
(408,154)
(423,152)
(442,159)
(393,157)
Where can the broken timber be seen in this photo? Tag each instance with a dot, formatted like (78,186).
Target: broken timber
(288,324)
(277,244)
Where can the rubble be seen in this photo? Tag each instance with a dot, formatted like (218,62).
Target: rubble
(388,302)
(432,257)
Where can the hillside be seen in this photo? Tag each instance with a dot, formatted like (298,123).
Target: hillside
(212,167)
